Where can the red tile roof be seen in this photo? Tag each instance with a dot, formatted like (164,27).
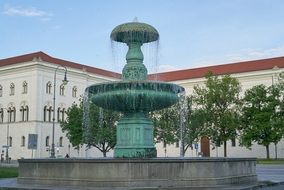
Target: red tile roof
(232,68)
(47,58)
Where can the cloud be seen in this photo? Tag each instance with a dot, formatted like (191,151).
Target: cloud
(254,54)
(25,12)
(241,55)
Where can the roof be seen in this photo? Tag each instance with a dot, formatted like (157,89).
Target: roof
(232,68)
(47,58)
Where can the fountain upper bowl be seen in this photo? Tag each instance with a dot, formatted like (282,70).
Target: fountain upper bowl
(134,96)
(134,32)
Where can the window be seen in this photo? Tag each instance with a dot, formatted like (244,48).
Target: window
(25,113)
(49,110)
(47,141)
(74,92)
(10,141)
(62,90)
(63,114)
(1,115)
(44,113)
(48,87)
(58,115)
(11,114)
(1,90)
(233,142)
(12,89)
(25,87)
(61,141)
(23,141)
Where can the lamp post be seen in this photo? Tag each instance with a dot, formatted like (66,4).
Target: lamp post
(65,81)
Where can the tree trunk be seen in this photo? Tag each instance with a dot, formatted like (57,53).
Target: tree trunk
(267,151)
(276,153)
(225,148)
(105,153)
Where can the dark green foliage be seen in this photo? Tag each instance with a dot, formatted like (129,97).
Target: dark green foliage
(263,116)
(168,123)
(101,130)
(218,104)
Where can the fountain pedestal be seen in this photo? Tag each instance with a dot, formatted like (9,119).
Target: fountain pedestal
(135,137)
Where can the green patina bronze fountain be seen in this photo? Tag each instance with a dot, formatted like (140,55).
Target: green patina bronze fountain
(134,96)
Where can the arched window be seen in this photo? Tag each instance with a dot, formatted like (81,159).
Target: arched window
(48,87)
(62,90)
(63,114)
(23,141)
(12,89)
(10,141)
(74,92)
(25,113)
(1,90)
(1,115)
(58,114)
(25,87)
(44,113)
(11,114)
(49,110)
(61,141)
(47,141)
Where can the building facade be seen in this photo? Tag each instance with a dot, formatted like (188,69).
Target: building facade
(27,92)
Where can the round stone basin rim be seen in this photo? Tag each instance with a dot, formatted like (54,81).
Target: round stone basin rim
(134,85)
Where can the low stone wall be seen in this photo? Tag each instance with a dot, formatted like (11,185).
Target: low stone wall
(157,172)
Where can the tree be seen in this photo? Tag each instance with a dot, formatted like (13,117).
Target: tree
(98,132)
(263,116)
(192,124)
(166,124)
(219,103)
(177,123)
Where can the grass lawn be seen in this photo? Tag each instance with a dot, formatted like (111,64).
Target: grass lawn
(269,161)
(8,172)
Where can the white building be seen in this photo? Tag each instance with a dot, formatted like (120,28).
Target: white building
(26,96)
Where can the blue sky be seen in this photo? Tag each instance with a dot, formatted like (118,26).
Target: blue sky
(193,33)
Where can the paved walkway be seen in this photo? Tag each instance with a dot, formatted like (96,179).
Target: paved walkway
(272,173)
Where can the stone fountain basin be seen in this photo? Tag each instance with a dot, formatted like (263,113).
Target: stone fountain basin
(132,96)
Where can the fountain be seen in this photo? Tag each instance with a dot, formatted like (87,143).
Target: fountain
(135,163)
(134,96)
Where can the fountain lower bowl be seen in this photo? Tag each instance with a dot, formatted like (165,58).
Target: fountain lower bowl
(135,96)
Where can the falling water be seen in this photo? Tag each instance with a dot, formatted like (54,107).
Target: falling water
(150,52)
(86,118)
(183,109)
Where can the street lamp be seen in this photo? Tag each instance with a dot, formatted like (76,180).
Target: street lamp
(65,81)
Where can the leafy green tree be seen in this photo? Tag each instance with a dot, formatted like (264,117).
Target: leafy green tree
(263,116)
(168,123)
(193,125)
(73,125)
(219,103)
(101,130)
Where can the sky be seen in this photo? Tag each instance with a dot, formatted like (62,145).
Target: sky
(193,33)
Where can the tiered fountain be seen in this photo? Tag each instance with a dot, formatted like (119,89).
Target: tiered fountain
(134,96)
(135,163)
